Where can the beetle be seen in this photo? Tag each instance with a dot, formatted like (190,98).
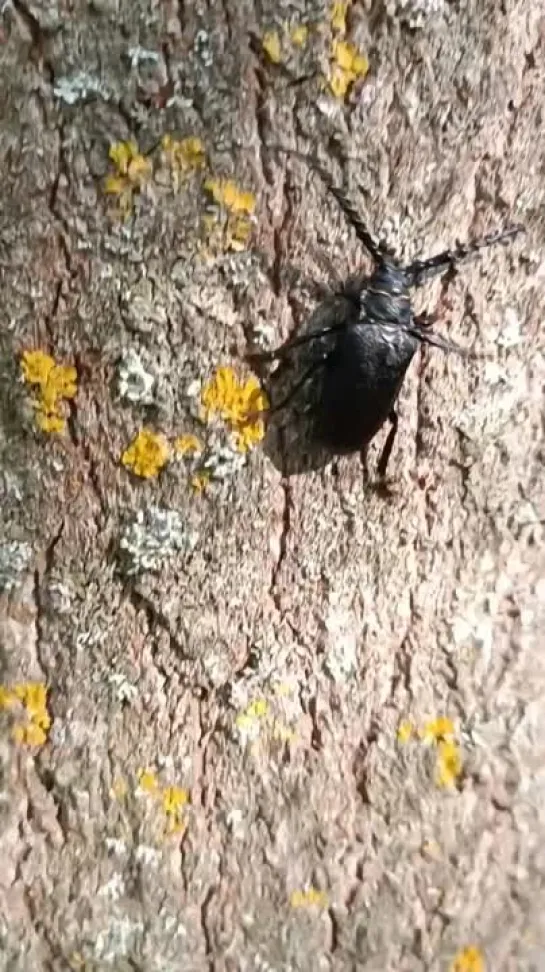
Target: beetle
(373,337)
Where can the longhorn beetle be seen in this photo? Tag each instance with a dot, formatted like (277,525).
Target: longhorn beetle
(375,337)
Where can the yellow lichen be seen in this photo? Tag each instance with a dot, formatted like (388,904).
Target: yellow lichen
(147,781)
(469,959)
(312,897)
(147,454)
(339,10)
(49,422)
(299,35)
(36,367)
(55,383)
(227,193)
(283,689)
(271,45)
(239,206)
(283,733)
(174,799)
(347,64)
(435,730)
(405,731)
(183,156)
(239,404)
(449,764)
(132,171)
(188,445)
(200,481)
(248,719)
(32,696)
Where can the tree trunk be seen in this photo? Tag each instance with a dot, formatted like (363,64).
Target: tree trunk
(235,775)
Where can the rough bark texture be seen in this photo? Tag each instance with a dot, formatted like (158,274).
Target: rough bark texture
(364,611)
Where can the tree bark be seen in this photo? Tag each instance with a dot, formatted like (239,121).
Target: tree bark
(265,668)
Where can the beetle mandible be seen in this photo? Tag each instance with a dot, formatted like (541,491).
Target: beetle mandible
(375,337)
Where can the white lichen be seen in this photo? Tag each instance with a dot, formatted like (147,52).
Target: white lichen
(510,334)
(341,646)
(124,690)
(61,596)
(116,846)
(113,889)
(414,13)
(139,55)
(146,855)
(152,538)
(223,462)
(202,48)
(120,938)
(134,382)
(14,560)
(79,86)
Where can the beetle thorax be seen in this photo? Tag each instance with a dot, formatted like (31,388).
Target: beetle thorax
(387,296)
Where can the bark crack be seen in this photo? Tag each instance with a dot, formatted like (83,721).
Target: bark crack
(39,578)
(283,543)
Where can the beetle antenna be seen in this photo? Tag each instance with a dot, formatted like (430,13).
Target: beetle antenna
(419,271)
(377,250)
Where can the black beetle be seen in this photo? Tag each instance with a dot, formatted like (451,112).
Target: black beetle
(374,335)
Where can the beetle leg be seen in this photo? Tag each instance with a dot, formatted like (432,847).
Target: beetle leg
(421,330)
(385,454)
(364,464)
(421,270)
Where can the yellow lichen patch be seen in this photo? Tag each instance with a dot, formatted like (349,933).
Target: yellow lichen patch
(147,454)
(271,45)
(36,367)
(299,35)
(449,764)
(435,730)
(347,65)
(309,898)
(183,156)
(55,383)
(239,205)
(339,10)
(32,697)
(405,731)
(283,689)
(132,171)
(174,799)
(200,481)
(147,781)
(188,445)
(469,959)
(283,733)
(239,404)
(248,720)
(227,193)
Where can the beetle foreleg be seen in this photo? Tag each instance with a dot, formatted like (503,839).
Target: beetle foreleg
(278,353)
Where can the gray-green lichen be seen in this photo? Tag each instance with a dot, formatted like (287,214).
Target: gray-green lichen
(14,560)
(152,538)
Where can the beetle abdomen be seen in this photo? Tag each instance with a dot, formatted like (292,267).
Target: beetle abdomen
(361,383)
